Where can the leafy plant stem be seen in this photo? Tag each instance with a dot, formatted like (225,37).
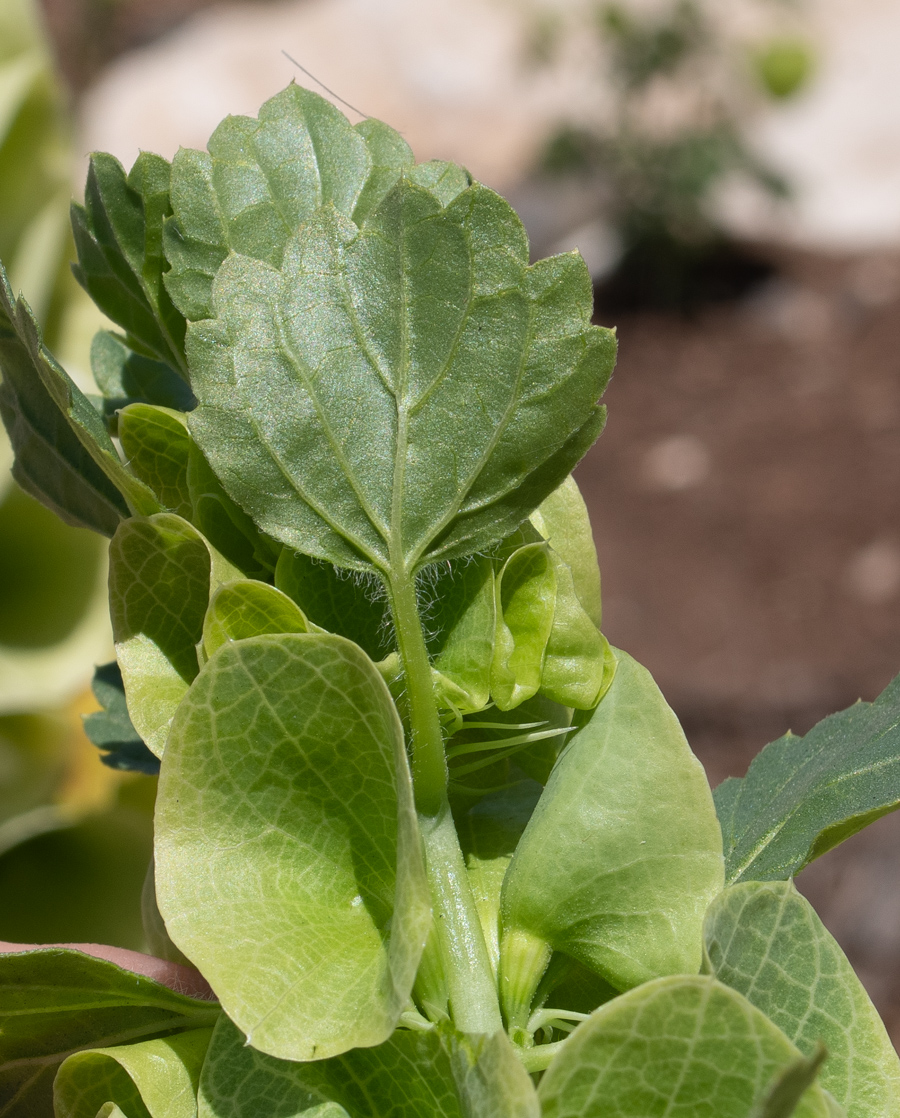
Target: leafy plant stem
(429,767)
(474,1004)
(473,995)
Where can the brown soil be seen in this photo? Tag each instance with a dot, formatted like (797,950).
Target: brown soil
(746,504)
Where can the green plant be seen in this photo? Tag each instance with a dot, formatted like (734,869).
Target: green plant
(681,92)
(437,848)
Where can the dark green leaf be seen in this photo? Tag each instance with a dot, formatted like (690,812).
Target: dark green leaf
(803,796)
(64,456)
(230,530)
(55,1002)
(263,179)
(412,464)
(409,1076)
(350,605)
(157,447)
(111,729)
(118,235)
(125,377)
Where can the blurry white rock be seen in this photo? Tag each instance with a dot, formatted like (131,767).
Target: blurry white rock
(838,143)
(450,77)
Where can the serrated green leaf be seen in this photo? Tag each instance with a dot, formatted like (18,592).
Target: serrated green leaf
(157,447)
(112,730)
(622,854)
(154,1079)
(338,601)
(411,465)
(54,1002)
(525,601)
(678,1045)
(246,608)
(125,377)
(118,235)
(803,796)
(562,519)
(162,573)
(766,941)
(288,862)
(64,456)
(263,179)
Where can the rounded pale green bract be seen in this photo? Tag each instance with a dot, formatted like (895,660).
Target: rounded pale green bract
(623,853)
(678,1047)
(288,861)
(765,940)
(157,1077)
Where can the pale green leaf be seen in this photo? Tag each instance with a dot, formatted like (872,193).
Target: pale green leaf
(162,573)
(54,1002)
(336,395)
(803,796)
(623,853)
(525,602)
(288,860)
(489,833)
(562,519)
(263,179)
(459,616)
(246,608)
(578,665)
(678,1045)
(64,456)
(766,941)
(156,1078)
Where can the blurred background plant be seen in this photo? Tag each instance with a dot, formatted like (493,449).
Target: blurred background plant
(74,834)
(682,87)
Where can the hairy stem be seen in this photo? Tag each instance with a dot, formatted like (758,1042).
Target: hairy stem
(474,1004)
(429,766)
